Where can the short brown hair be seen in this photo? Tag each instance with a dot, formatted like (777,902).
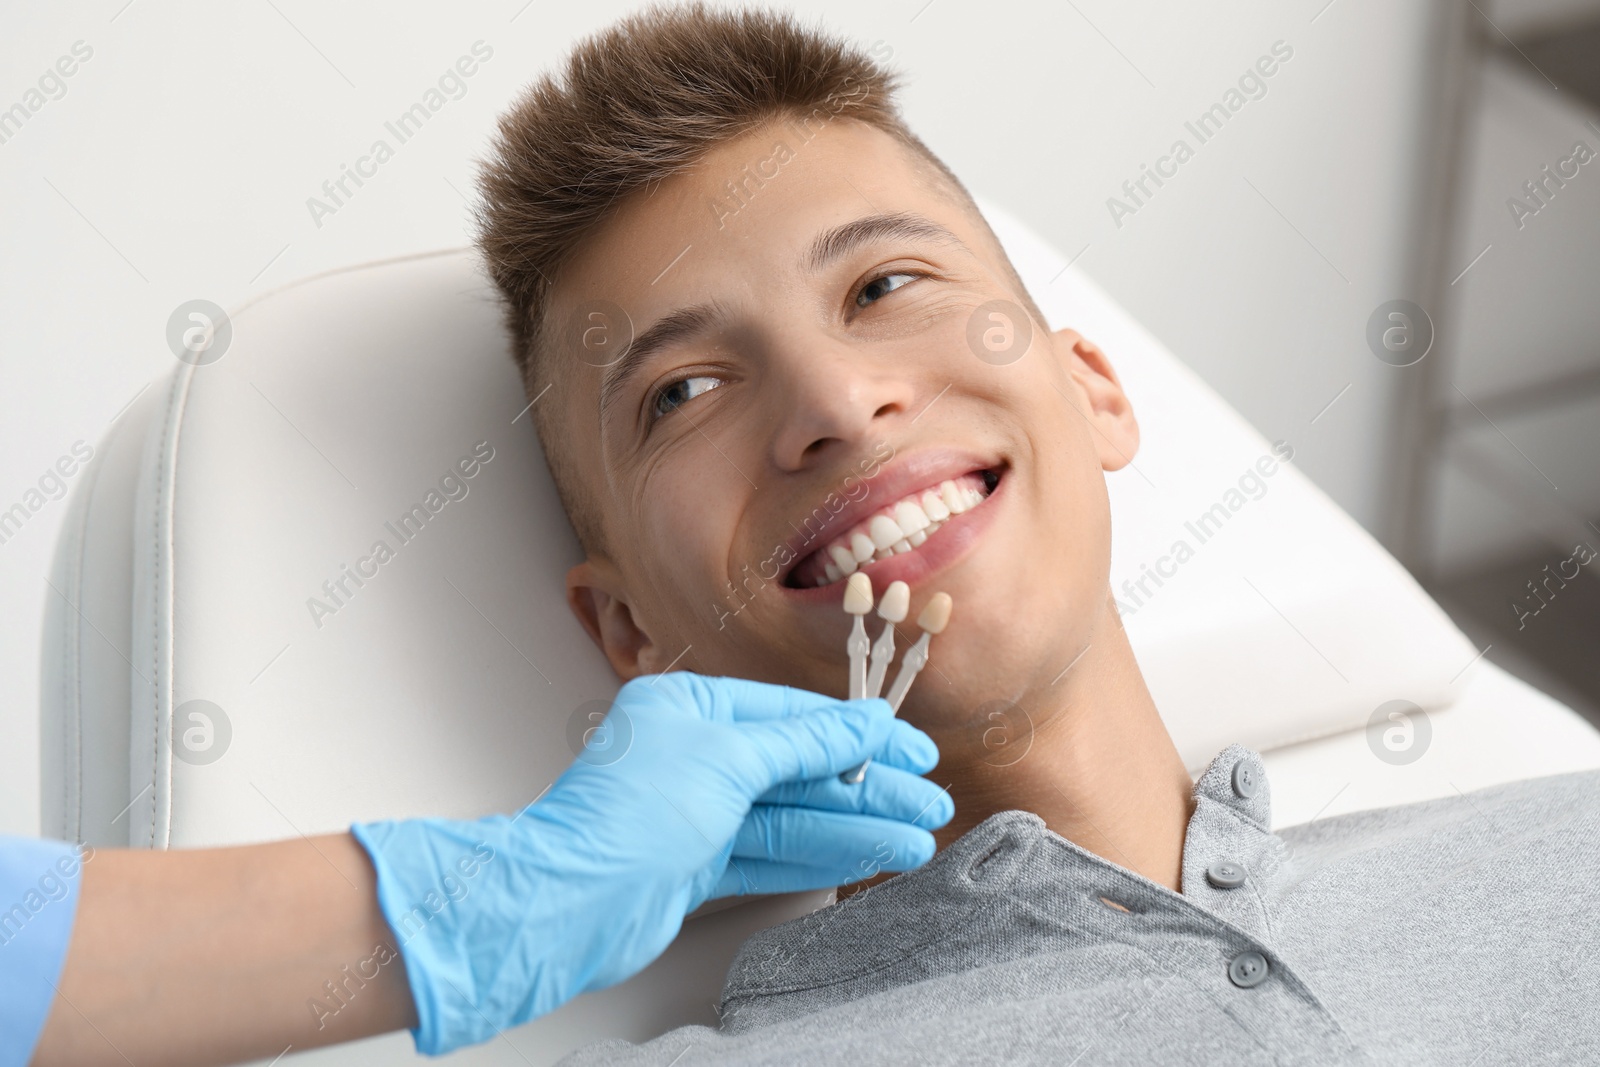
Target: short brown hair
(639,101)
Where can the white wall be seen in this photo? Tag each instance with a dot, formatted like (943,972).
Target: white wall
(178,163)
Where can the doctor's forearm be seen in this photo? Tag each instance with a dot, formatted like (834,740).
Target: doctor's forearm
(217,955)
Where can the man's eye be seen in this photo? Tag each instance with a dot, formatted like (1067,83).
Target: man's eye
(679,392)
(880,287)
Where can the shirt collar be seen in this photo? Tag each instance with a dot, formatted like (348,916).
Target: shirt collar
(886,922)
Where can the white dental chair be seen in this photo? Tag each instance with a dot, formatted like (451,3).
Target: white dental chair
(445,680)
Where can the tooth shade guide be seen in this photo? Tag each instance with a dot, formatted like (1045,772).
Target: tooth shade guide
(933,619)
(857,602)
(935,615)
(896,602)
(858,595)
(893,608)
(911,664)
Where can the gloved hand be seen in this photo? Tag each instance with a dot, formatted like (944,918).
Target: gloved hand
(708,787)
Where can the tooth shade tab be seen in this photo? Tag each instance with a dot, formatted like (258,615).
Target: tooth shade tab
(936,616)
(858,594)
(896,602)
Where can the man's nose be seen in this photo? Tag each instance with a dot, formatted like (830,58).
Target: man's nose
(831,394)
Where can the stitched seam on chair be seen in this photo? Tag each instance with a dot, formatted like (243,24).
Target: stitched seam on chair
(155,612)
(1322,733)
(69,707)
(75,682)
(157,592)
(170,600)
(169,510)
(351,269)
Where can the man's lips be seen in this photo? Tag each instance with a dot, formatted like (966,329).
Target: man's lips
(954,540)
(916,479)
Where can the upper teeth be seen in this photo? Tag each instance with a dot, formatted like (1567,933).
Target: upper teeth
(900,527)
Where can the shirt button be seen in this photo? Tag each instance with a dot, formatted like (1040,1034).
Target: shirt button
(1226,874)
(1245,779)
(1248,969)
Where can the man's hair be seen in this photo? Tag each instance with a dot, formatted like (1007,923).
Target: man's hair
(640,101)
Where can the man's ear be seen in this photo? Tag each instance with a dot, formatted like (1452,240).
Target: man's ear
(1110,415)
(593,595)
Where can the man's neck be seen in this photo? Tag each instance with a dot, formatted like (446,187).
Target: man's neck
(1089,755)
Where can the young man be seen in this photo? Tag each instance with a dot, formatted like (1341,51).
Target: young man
(751,306)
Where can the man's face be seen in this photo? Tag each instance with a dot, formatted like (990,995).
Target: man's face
(825,375)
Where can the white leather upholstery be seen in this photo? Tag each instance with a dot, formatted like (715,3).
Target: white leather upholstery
(444,684)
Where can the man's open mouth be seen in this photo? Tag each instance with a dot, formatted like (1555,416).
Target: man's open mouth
(898,527)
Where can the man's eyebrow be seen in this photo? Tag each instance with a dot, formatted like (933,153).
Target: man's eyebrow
(695,320)
(842,240)
(681,325)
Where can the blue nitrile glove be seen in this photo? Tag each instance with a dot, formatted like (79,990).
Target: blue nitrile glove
(704,787)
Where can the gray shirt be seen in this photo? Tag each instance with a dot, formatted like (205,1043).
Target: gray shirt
(1460,931)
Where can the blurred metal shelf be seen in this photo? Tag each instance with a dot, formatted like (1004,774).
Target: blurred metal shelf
(1542,622)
